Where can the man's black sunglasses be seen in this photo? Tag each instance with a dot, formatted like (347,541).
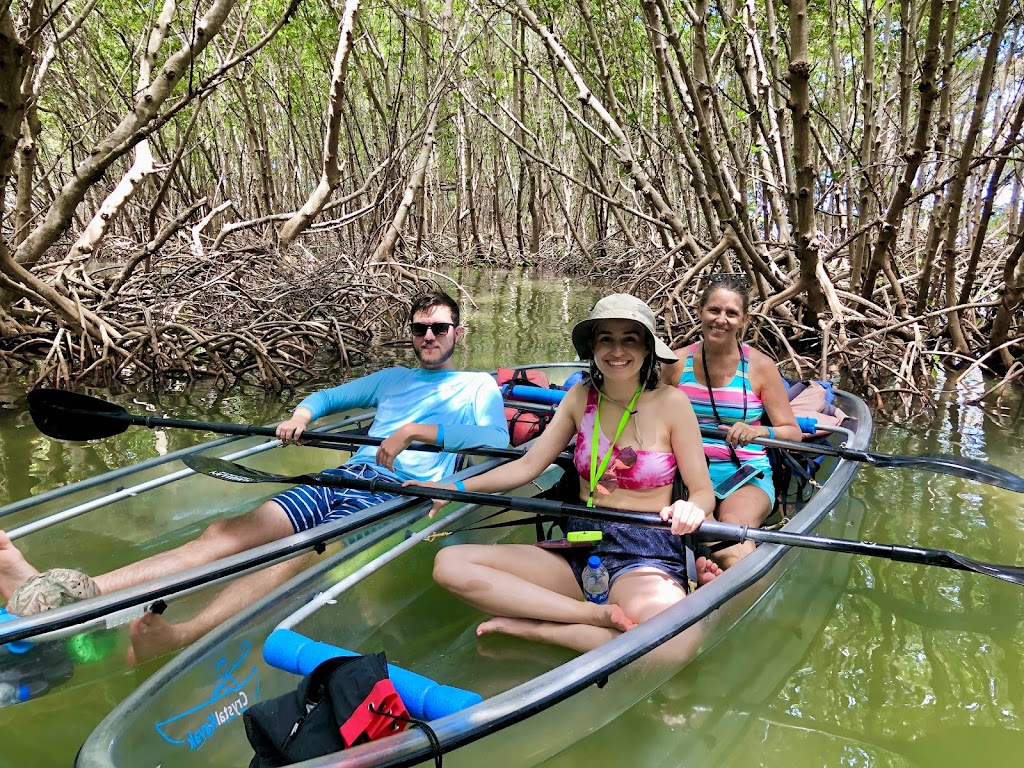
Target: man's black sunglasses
(438,329)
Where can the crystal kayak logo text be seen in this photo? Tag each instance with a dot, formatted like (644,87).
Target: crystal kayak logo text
(228,699)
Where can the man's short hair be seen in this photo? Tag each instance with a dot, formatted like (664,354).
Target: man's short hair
(427,301)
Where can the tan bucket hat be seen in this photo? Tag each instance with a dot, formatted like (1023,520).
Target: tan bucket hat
(620,306)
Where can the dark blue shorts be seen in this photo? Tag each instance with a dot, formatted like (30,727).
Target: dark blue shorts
(308,506)
(625,547)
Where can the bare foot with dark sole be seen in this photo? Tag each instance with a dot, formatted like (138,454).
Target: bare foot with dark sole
(153,636)
(15,570)
(707,570)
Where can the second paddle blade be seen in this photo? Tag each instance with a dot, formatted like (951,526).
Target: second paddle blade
(72,416)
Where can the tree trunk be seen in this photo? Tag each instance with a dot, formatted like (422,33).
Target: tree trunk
(330,176)
(957,188)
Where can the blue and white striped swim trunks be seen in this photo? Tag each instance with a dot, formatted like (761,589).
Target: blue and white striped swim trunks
(308,506)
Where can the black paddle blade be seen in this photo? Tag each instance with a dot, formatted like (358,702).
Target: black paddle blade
(969,469)
(1011,573)
(73,416)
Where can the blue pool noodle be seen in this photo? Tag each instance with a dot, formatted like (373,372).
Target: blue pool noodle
(530,394)
(18,646)
(425,699)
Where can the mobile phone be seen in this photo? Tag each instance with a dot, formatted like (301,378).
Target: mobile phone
(737,479)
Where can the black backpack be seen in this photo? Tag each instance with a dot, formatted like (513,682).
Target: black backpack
(344,701)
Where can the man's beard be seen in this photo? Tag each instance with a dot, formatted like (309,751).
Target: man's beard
(445,357)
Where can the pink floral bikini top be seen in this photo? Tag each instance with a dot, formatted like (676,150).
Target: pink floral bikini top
(629,469)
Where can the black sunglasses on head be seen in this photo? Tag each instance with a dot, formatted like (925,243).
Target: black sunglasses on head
(438,329)
(730,280)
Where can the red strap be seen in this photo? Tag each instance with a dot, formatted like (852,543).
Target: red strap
(538,377)
(364,721)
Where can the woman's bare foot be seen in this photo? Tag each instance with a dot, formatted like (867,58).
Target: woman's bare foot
(14,568)
(616,618)
(153,636)
(707,570)
(503,625)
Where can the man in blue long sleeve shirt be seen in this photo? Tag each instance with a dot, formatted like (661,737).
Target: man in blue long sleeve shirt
(433,403)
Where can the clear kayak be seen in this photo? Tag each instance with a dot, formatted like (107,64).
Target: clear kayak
(190,712)
(74,658)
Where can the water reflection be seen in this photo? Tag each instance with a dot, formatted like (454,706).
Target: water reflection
(520,317)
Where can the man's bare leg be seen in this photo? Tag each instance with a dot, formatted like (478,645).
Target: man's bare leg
(153,635)
(14,568)
(268,522)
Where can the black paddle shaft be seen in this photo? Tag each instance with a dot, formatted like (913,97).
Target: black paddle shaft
(73,416)
(969,469)
(955,466)
(709,530)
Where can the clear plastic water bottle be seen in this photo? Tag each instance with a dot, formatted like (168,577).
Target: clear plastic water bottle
(15,693)
(12,694)
(595,581)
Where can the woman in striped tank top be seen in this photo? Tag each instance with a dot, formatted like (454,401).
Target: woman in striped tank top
(731,385)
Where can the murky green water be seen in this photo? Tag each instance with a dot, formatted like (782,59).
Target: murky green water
(878,664)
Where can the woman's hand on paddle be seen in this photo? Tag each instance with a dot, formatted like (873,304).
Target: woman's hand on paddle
(438,503)
(741,433)
(683,516)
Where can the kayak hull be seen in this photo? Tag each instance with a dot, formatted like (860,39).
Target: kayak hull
(396,608)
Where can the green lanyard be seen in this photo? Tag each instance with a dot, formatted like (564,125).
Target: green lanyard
(596,472)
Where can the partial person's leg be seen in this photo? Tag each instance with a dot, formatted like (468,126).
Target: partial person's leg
(521,581)
(575,637)
(153,635)
(14,568)
(646,592)
(299,508)
(747,506)
(223,538)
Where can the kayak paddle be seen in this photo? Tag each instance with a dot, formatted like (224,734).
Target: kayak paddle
(68,415)
(710,529)
(969,469)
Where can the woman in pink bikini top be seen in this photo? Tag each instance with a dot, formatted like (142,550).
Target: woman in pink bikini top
(632,435)
(629,469)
